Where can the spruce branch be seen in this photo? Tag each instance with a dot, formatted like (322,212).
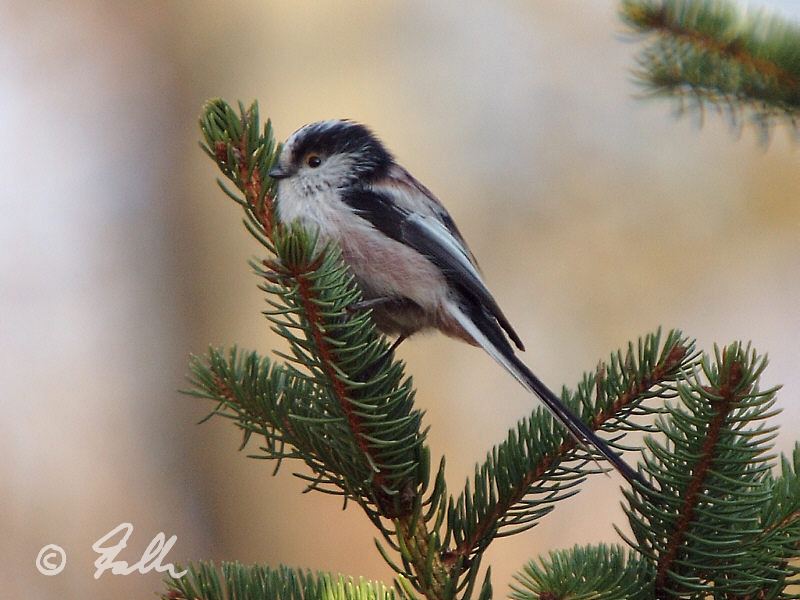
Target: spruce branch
(523,477)
(712,53)
(704,527)
(244,154)
(721,524)
(780,516)
(360,435)
(233,581)
(594,572)
(339,406)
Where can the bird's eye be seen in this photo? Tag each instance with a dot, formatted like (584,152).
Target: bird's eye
(313,161)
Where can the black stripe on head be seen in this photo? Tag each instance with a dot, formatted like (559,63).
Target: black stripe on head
(327,138)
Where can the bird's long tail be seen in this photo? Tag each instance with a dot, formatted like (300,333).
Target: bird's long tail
(485,335)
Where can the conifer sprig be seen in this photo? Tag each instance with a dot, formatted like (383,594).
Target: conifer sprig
(240,582)
(245,154)
(535,467)
(705,523)
(713,53)
(721,525)
(341,402)
(594,572)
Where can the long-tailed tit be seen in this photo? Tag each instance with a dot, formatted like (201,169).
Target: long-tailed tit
(411,263)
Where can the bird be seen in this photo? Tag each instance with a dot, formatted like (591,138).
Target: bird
(408,257)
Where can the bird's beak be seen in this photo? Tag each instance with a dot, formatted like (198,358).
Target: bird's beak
(278,172)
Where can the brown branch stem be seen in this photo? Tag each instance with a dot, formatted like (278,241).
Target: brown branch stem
(727,395)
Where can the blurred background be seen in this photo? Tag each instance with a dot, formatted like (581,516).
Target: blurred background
(596,217)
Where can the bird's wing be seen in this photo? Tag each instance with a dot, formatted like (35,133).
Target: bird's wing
(429,232)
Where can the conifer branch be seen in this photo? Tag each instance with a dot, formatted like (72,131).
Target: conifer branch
(715,54)
(599,572)
(714,475)
(310,290)
(239,582)
(245,155)
(524,476)
(780,517)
